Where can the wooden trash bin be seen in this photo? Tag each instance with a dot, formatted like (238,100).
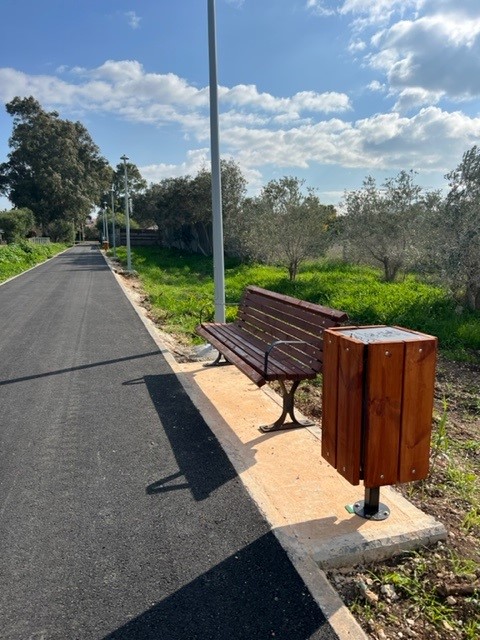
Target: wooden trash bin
(378,386)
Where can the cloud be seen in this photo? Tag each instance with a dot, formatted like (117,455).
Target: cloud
(133,19)
(368,13)
(426,50)
(320,8)
(196,159)
(259,130)
(439,53)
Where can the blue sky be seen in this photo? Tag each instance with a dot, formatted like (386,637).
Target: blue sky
(329,91)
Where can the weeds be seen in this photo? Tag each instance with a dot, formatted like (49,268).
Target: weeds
(181,283)
(16,258)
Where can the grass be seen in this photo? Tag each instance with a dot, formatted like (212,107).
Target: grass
(16,258)
(180,290)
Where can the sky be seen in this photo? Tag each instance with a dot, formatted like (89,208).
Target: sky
(329,91)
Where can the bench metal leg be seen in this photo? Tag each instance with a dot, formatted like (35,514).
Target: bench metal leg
(288,409)
(216,362)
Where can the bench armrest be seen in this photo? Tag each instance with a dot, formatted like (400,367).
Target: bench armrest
(272,346)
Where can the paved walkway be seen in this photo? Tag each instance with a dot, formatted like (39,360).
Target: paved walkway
(121,516)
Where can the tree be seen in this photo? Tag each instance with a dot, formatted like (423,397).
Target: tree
(17,224)
(459,241)
(182,207)
(136,185)
(380,224)
(54,168)
(286,225)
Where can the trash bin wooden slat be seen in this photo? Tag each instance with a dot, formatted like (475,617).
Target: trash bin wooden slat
(417,403)
(377,403)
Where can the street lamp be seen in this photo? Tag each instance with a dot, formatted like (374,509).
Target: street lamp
(112,190)
(127,215)
(217,222)
(105,226)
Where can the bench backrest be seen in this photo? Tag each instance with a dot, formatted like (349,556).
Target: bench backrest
(270,316)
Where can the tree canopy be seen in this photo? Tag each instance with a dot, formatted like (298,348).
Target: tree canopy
(54,168)
(380,223)
(460,240)
(287,224)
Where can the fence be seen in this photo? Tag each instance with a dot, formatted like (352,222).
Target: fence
(40,240)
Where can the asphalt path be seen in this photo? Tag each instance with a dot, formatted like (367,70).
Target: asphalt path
(120,515)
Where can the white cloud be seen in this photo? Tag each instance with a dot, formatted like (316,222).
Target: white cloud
(258,129)
(439,53)
(235,3)
(368,13)
(375,85)
(133,19)
(411,98)
(196,160)
(356,46)
(320,8)
(426,50)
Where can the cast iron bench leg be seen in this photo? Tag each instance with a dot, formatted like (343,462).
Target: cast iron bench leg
(288,398)
(216,362)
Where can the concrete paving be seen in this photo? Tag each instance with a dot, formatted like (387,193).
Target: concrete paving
(302,497)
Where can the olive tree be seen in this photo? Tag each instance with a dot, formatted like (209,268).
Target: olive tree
(287,225)
(380,224)
(459,240)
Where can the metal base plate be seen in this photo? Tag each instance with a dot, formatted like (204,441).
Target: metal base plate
(285,425)
(362,510)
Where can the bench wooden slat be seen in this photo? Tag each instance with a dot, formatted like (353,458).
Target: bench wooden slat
(265,317)
(271,329)
(280,367)
(278,358)
(232,356)
(298,316)
(338,316)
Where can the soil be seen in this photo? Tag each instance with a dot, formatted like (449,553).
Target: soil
(432,593)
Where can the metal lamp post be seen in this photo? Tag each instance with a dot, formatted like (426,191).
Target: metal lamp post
(217,221)
(112,190)
(105,226)
(127,215)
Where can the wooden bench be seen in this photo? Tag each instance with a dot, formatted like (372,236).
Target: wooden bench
(274,337)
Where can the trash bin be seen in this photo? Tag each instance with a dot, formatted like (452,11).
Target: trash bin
(378,386)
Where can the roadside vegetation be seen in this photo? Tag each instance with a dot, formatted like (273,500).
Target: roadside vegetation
(15,258)
(179,289)
(430,593)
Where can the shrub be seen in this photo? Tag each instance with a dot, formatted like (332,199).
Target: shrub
(16,224)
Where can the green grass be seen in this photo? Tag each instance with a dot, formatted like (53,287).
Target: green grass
(16,258)
(180,288)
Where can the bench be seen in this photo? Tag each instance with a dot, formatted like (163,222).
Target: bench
(274,338)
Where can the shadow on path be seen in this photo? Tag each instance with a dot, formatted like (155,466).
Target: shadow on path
(255,593)
(201,459)
(58,372)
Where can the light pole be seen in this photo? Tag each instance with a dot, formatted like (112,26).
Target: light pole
(127,215)
(105,226)
(217,221)
(114,242)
